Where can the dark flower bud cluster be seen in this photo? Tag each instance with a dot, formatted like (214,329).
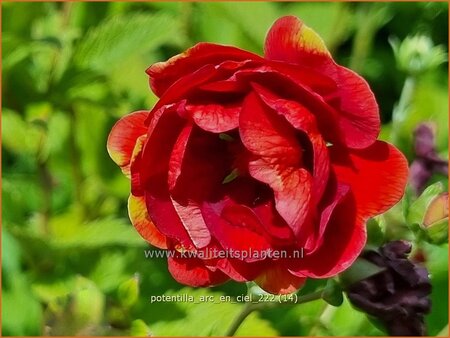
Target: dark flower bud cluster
(398,296)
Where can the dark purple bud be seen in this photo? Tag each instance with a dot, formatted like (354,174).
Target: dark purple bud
(398,296)
(424,143)
(427,161)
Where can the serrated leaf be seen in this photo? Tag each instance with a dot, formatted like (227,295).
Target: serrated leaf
(119,37)
(18,136)
(244,16)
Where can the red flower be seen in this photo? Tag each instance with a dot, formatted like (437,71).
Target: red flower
(245,154)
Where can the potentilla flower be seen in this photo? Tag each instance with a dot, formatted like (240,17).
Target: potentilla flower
(399,296)
(244,152)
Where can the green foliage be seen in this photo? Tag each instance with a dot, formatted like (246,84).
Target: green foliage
(209,318)
(71,69)
(121,36)
(332,293)
(360,269)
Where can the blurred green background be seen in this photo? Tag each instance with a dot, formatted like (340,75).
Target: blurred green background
(71,261)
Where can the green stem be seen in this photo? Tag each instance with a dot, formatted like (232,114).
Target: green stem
(250,307)
(371,18)
(402,108)
(186,20)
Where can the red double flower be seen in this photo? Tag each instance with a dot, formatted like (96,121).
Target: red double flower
(246,153)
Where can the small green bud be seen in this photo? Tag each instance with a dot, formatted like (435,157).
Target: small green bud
(417,54)
(435,220)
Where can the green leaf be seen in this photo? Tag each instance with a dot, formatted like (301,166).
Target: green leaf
(332,293)
(95,234)
(347,321)
(119,37)
(244,17)
(360,269)
(81,312)
(139,329)
(438,232)
(10,254)
(109,271)
(375,236)
(21,312)
(18,136)
(128,292)
(209,316)
(437,264)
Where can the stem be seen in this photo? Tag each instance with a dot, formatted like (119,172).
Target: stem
(371,19)
(250,307)
(75,157)
(65,14)
(46,181)
(186,20)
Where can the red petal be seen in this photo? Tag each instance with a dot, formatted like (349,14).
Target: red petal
(163,131)
(135,163)
(267,135)
(257,196)
(123,136)
(291,187)
(300,118)
(162,212)
(344,239)
(376,175)
(192,272)
(273,139)
(292,41)
(285,86)
(195,171)
(360,120)
(327,206)
(164,74)
(278,280)
(192,220)
(141,221)
(288,37)
(199,159)
(215,118)
(241,271)
(237,228)
(177,155)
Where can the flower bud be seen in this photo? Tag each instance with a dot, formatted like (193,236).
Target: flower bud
(417,54)
(435,220)
(397,296)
